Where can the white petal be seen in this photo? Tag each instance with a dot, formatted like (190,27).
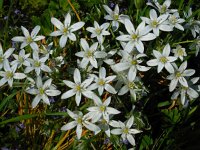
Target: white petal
(69,83)
(34,46)
(57,23)
(68,94)
(130,122)
(69,126)
(72,36)
(25,31)
(19,76)
(18,39)
(110,89)
(123,90)
(148,37)
(131,139)
(173,84)
(84,44)
(169,67)
(153,14)
(79,131)
(129,26)
(56,33)
(52,92)
(35,102)
(183,81)
(77,76)
(153,62)
(63,41)
(45,99)
(111,110)
(116,131)
(78,98)
(77,26)
(67,21)
(35,31)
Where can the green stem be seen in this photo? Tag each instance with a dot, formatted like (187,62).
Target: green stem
(183,42)
(137,14)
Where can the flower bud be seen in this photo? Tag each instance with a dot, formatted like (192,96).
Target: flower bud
(139,3)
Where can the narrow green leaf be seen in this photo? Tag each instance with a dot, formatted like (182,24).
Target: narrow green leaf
(4,101)
(19,118)
(162,104)
(1,4)
(56,114)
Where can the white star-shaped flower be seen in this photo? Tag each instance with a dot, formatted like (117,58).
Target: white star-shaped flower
(4,56)
(42,91)
(9,74)
(179,76)
(90,54)
(155,23)
(135,37)
(78,88)
(102,82)
(29,39)
(114,16)
(99,31)
(65,30)
(102,110)
(163,60)
(125,130)
(37,64)
(79,122)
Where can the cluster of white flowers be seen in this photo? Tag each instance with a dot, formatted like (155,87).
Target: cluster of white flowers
(31,64)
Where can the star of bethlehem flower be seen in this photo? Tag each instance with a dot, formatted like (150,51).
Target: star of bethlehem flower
(131,63)
(163,60)
(125,130)
(37,64)
(131,85)
(196,45)
(179,52)
(90,54)
(179,76)
(101,111)
(79,122)
(78,88)
(9,74)
(29,39)
(99,31)
(136,37)
(186,93)
(42,91)
(156,23)
(4,56)
(164,8)
(65,30)
(192,24)
(46,50)
(21,59)
(102,82)
(175,21)
(114,16)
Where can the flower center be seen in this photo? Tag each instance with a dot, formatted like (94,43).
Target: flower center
(163,9)
(89,54)
(116,16)
(173,19)
(37,63)
(78,88)
(9,74)
(21,59)
(163,60)
(103,121)
(29,39)
(154,23)
(98,31)
(79,120)
(41,91)
(131,85)
(65,30)
(1,59)
(125,130)
(134,62)
(134,36)
(102,108)
(178,74)
(180,52)
(101,82)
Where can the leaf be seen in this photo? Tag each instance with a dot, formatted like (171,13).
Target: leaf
(56,114)
(1,4)
(19,118)
(4,101)
(162,104)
